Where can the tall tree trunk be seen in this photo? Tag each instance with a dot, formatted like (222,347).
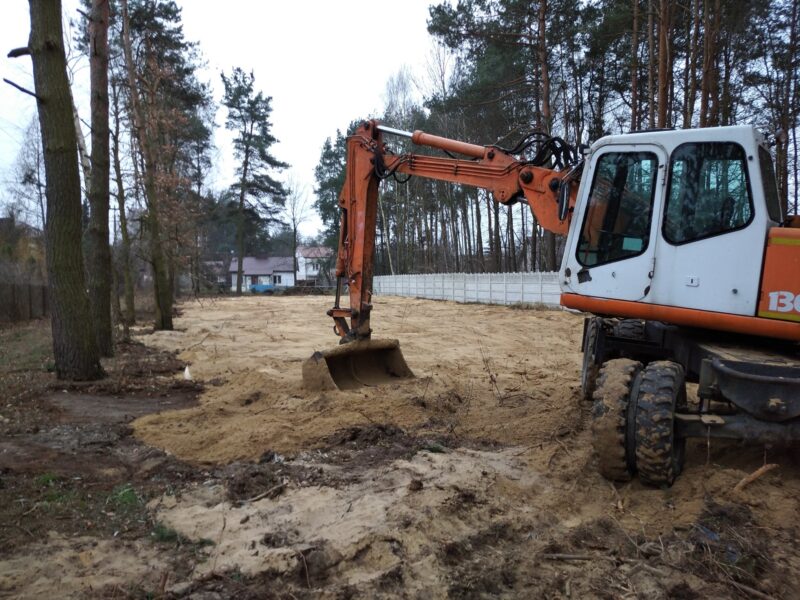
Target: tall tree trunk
(691,67)
(240,219)
(98,251)
(467,234)
(714,92)
(664,62)
(489,231)
(635,68)
(385,235)
(129,315)
(708,62)
(547,117)
(498,248)
(74,344)
(83,153)
(478,233)
(512,246)
(524,218)
(162,290)
(651,98)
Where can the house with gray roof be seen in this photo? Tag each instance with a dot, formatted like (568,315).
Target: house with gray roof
(314,265)
(274,270)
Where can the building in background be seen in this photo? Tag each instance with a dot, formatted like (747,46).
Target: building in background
(275,270)
(314,265)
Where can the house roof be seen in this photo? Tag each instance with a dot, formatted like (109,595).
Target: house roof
(314,251)
(264,266)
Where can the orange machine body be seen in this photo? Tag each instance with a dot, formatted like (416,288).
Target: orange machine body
(780,281)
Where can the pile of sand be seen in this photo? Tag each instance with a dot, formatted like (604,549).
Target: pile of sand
(483,372)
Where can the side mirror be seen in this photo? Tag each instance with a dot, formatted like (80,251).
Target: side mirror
(563,198)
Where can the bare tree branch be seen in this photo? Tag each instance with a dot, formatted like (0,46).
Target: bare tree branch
(17,52)
(22,89)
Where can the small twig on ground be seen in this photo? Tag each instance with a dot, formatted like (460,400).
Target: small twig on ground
(591,557)
(162,587)
(752,591)
(263,495)
(24,529)
(563,445)
(492,377)
(219,541)
(30,510)
(569,557)
(754,475)
(425,391)
(367,417)
(200,343)
(305,567)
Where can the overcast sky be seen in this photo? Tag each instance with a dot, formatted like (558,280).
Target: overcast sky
(324,63)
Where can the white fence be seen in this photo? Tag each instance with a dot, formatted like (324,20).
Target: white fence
(488,288)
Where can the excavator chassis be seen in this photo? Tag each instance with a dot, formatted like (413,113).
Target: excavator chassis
(748,390)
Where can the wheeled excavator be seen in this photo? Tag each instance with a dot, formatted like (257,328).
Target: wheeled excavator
(677,251)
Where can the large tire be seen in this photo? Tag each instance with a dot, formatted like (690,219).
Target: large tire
(590,368)
(609,418)
(630,329)
(659,452)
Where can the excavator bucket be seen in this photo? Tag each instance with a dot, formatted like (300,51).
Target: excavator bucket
(356,364)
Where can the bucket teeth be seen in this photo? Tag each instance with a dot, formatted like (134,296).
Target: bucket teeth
(356,364)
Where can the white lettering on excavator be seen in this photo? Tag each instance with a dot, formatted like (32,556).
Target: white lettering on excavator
(784,302)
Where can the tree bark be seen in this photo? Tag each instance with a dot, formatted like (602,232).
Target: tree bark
(691,67)
(161,286)
(74,344)
(651,113)
(478,234)
(240,216)
(129,315)
(708,57)
(635,68)
(664,72)
(98,251)
(547,117)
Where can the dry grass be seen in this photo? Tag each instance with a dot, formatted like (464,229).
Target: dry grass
(26,347)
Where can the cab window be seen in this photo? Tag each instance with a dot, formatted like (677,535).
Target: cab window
(770,185)
(617,220)
(709,192)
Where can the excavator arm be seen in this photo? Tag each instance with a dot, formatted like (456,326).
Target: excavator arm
(550,194)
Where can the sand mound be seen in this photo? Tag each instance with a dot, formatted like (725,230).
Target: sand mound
(509,386)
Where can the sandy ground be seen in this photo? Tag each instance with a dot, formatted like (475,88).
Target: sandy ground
(501,383)
(474,480)
(479,371)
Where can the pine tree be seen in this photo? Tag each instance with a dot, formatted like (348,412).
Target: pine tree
(249,116)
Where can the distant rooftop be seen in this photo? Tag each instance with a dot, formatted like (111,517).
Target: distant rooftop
(264,266)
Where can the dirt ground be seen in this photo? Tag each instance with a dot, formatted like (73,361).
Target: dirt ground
(473,480)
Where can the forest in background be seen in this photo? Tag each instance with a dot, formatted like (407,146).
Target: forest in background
(578,70)
(500,69)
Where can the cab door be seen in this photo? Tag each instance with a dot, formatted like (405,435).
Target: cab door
(611,254)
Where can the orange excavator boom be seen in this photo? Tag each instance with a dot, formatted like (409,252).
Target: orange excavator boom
(550,194)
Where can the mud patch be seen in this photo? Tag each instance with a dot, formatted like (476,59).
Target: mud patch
(70,469)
